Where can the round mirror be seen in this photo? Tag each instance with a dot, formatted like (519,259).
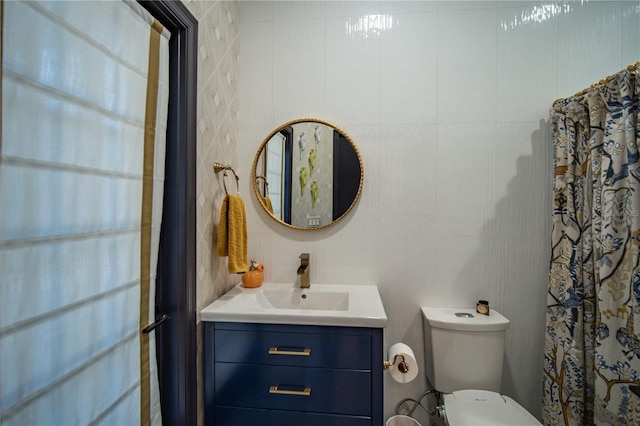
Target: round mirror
(307,174)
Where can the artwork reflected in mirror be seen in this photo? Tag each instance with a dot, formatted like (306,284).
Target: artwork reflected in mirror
(307,174)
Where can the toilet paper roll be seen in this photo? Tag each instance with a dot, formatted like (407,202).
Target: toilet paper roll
(402,373)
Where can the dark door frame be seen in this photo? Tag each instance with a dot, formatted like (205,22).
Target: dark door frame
(176,282)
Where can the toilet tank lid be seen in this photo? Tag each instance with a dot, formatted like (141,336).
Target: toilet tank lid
(465,320)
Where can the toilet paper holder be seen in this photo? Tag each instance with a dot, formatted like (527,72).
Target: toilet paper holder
(401,363)
(403,367)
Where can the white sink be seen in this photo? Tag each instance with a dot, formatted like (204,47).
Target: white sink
(299,299)
(322,304)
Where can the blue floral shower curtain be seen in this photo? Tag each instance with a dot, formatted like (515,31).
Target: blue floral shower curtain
(592,340)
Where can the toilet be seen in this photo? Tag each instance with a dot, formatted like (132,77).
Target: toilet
(464,352)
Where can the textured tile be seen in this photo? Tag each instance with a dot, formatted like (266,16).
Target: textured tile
(255,11)
(302,52)
(216,129)
(352,74)
(586,28)
(256,74)
(467,66)
(408,47)
(630,32)
(295,11)
(525,74)
(466,179)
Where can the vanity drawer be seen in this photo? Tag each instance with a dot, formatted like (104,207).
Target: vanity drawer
(293,388)
(232,416)
(294,349)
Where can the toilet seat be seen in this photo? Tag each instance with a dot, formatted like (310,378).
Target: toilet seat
(481,407)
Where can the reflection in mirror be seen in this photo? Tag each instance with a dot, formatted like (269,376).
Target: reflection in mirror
(307,174)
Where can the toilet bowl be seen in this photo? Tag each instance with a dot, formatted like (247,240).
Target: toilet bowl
(464,353)
(484,408)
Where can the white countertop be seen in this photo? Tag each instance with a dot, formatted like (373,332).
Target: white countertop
(322,304)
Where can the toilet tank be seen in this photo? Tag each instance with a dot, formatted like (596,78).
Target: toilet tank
(463,349)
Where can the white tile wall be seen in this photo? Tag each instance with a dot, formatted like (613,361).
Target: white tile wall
(518,72)
(403,60)
(467,66)
(448,107)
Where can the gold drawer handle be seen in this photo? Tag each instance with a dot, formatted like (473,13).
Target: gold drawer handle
(305,392)
(276,351)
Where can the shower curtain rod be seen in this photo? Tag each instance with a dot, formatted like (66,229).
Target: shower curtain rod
(601,82)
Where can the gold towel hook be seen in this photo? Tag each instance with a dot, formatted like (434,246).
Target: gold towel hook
(217,168)
(266,184)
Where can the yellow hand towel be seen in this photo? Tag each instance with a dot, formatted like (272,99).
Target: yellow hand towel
(232,234)
(267,204)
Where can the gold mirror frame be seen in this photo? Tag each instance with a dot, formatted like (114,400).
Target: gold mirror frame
(255,177)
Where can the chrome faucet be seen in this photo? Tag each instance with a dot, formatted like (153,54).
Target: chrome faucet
(303,270)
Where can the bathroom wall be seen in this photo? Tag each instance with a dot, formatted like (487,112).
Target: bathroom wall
(217,140)
(448,104)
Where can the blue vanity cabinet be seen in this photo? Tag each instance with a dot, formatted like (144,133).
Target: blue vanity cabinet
(270,374)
